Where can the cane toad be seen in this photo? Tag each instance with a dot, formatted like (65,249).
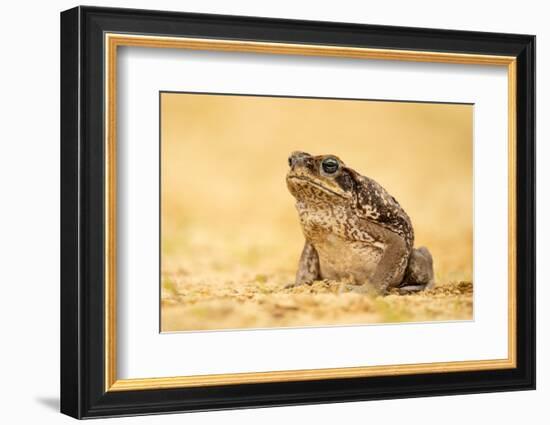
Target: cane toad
(355,231)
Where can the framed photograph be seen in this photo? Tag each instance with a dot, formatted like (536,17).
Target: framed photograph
(261,212)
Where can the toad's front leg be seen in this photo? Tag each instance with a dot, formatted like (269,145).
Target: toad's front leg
(309,269)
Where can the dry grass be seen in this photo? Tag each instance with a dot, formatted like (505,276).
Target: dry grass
(230,234)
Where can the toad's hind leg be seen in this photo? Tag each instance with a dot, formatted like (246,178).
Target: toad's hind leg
(393,262)
(419,274)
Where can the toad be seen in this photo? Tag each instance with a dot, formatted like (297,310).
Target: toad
(355,231)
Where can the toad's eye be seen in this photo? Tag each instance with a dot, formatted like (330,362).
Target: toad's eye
(290,161)
(330,165)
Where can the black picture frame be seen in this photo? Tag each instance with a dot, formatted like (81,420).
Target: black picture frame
(83,392)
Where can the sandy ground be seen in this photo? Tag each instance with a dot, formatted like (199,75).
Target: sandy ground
(230,235)
(264,302)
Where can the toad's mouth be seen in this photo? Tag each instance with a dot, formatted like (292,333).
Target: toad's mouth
(320,186)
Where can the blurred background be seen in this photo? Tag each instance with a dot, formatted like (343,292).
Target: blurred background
(230,236)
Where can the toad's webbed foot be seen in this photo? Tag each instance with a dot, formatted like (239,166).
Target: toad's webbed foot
(419,274)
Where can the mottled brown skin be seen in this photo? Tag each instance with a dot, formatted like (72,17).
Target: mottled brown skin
(355,230)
